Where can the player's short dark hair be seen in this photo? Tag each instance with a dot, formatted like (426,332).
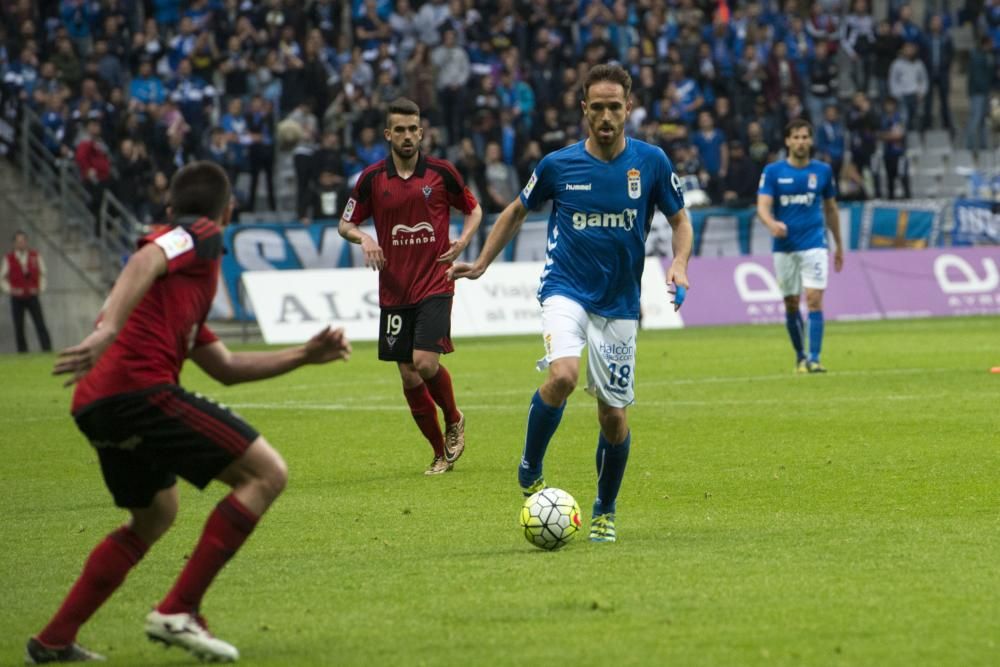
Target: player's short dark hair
(798,124)
(401,106)
(19,232)
(612,73)
(200,189)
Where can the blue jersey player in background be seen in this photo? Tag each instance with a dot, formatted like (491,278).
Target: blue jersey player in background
(796,200)
(603,191)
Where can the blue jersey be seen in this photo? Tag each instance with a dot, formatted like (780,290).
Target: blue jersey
(798,202)
(601,213)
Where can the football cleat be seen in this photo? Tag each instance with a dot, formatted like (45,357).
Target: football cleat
(438,466)
(801,366)
(815,367)
(602,528)
(189,631)
(454,439)
(37,653)
(534,487)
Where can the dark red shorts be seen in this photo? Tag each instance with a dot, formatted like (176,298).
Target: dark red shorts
(425,326)
(146,439)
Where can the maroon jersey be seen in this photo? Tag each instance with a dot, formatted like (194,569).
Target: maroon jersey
(411,223)
(169,320)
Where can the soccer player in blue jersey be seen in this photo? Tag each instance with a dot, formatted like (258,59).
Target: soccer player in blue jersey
(603,191)
(796,200)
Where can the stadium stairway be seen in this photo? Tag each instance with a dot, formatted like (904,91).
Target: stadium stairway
(75,290)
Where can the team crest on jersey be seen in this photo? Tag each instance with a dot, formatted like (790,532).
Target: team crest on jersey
(427,191)
(812,181)
(634,184)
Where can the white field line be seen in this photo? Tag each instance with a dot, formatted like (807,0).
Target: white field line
(343,407)
(722,379)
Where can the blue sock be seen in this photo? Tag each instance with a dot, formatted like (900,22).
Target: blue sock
(611,460)
(793,322)
(543,420)
(815,334)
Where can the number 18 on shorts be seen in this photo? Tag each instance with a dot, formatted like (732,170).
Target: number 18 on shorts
(610,343)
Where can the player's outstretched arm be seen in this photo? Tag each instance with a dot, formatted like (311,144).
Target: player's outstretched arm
(142,269)
(230,367)
(832,216)
(373,252)
(469,228)
(504,229)
(765,205)
(683,240)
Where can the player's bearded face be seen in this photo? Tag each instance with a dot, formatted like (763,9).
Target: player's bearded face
(799,143)
(606,109)
(404,135)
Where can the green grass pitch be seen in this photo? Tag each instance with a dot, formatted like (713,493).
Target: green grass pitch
(765,519)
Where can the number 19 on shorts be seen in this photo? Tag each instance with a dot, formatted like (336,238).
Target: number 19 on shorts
(393,324)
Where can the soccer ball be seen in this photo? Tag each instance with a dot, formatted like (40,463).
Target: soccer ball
(550,518)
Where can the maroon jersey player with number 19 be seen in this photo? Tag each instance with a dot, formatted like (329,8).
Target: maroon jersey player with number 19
(148,431)
(410,197)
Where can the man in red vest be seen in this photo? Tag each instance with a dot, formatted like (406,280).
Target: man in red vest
(22,275)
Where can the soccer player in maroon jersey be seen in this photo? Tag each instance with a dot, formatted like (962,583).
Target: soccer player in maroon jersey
(410,195)
(147,430)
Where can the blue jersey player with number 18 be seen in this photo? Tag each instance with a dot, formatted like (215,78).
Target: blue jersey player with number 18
(794,199)
(603,191)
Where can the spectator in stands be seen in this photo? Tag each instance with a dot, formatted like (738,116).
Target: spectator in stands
(905,27)
(893,137)
(982,72)
(752,75)
(22,275)
(500,180)
(937,52)
(857,39)
(77,16)
(94,162)
(370,149)
(823,73)
(260,125)
(193,96)
(220,151)
(157,198)
(109,67)
(452,64)
(689,93)
(712,148)
(887,47)
(799,48)
(908,84)
(739,185)
(831,141)
(782,76)
(134,176)
(147,87)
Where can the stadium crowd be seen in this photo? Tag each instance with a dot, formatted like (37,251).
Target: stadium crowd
(131,90)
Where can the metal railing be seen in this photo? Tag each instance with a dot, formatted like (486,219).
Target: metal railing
(112,233)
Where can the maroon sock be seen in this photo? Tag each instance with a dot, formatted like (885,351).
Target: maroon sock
(425,414)
(440,388)
(227,528)
(103,573)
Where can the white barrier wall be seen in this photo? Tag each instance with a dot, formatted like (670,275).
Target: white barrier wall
(291,306)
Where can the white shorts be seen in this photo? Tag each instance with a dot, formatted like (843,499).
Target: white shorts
(567,328)
(802,268)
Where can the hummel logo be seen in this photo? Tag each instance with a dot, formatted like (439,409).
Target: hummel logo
(786,181)
(578,186)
